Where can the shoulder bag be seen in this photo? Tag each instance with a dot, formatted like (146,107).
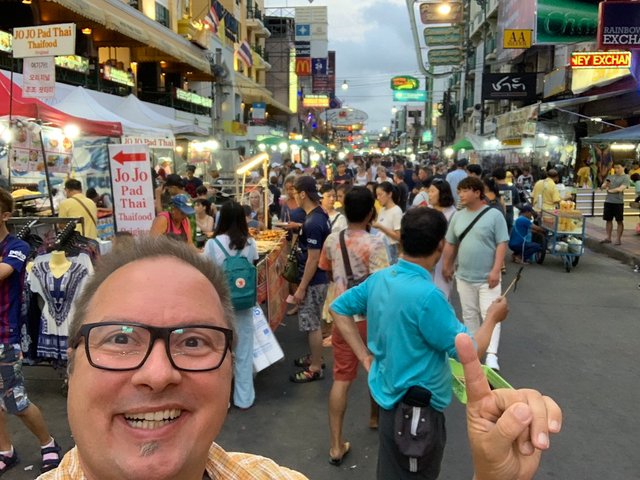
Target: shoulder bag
(473,222)
(290,271)
(95,223)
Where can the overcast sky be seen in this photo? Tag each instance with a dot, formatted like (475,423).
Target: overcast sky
(373,42)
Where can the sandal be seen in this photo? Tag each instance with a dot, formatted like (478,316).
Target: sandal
(306,376)
(304,361)
(50,463)
(9,462)
(338,461)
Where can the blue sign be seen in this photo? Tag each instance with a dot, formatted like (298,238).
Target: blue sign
(303,30)
(410,96)
(319,66)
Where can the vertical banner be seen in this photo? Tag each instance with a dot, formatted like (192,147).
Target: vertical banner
(39,77)
(132,188)
(259,114)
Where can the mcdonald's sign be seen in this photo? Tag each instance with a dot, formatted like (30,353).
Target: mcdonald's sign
(303,67)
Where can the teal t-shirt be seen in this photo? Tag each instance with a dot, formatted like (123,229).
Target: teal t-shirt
(411,331)
(476,253)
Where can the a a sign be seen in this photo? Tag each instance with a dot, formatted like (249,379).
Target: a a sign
(117,76)
(516,38)
(133,205)
(601,60)
(582,79)
(444,56)
(194,98)
(509,86)
(315,101)
(405,82)
(431,12)
(410,96)
(303,67)
(344,117)
(303,49)
(427,136)
(73,62)
(442,36)
(6,41)
(303,31)
(258,113)
(39,77)
(319,66)
(619,25)
(26,154)
(566,21)
(150,142)
(238,129)
(513,14)
(44,40)
(556,82)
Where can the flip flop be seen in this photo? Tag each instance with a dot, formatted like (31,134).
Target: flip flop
(618,243)
(338,461)
(605,241)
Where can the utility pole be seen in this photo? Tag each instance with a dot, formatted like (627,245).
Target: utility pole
(483,4)
(218,122)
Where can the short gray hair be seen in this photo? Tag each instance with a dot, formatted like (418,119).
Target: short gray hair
(145,248)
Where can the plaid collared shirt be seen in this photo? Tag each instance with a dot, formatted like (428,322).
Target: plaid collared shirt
(220,465)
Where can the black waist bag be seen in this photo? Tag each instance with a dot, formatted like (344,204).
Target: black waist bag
(419,432)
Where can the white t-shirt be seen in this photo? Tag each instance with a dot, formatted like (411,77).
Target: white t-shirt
(421,199)
(338,221)
(391,219)
(213,252)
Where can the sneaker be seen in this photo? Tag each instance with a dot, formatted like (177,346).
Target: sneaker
(9,462)
(492,362)
(53,457)
(306,376)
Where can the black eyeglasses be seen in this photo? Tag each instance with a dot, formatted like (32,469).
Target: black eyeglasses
(122,346)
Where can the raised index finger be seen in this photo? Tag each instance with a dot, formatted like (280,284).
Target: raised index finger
(475,380)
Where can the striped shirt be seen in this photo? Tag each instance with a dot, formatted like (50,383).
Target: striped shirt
(221,465)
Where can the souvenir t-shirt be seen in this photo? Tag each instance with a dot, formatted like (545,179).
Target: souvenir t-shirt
(13,252)
(314,232)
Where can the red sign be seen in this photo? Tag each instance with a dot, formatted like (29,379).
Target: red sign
(303,67)
(601,60)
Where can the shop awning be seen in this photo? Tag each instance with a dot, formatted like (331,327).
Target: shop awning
(573,102)
(11,100)
(462,144)
(630,134)
(119,16)
(254,92)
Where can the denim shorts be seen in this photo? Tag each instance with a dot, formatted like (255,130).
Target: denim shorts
(14,398)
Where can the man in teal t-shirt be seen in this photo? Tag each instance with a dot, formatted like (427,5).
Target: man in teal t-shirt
(410,335)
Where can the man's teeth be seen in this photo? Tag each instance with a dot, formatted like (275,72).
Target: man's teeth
(152,420)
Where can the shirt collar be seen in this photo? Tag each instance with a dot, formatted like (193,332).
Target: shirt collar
(414,267)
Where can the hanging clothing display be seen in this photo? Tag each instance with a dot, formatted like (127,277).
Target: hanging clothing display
(58,294)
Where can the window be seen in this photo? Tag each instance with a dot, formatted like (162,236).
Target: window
(162,15)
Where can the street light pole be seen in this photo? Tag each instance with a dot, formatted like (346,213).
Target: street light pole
(483,4)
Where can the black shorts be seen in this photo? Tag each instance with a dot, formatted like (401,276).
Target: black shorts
(613,210)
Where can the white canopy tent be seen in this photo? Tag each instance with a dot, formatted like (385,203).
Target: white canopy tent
(81,104)
(135,110)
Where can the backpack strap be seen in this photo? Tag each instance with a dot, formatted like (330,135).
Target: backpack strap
(224,250)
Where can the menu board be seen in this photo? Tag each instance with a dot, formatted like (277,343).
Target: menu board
(26,150)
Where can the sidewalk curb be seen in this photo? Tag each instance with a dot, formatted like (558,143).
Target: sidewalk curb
(612,251)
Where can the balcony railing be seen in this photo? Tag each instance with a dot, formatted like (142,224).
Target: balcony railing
(261,51)
(254,12)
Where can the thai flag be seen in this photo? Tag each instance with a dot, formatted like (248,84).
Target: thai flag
(244,52)
(212,20)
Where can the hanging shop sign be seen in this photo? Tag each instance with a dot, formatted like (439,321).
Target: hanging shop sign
(509,86)
(149,142)
(601,60)
(556,82)
(39,77)
(516,38)
(619,25)
(193,98)
(566,21)
(444,56)
(303,67)
(583,79)
(315,101)
(44,40)
(431,12)
(132,188)
(405,82)
(238,129)
(117,76)
(517,123)
(514,15)
(443,36)
(303,49)
(410,96)
(259,113)
(27,147)
(6,41)
(344,117)
(73,62)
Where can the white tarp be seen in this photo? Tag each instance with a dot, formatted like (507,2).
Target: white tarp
(82,104)
(135,110)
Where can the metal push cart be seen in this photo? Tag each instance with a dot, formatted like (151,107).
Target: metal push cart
(565,234)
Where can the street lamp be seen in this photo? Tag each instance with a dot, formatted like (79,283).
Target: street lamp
(394,110)
(345,86)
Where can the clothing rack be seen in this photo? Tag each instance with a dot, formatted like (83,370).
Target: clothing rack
(31,222)
(64,236)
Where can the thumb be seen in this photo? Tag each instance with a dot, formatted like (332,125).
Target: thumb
(511,424)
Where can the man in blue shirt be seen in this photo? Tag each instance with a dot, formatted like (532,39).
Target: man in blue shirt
(454,178)
(14,400)
(312,288)
(410,335)
(521,243)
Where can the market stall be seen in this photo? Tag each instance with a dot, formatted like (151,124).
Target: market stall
(272,288)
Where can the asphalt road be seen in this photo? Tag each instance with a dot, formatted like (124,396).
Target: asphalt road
(574,336)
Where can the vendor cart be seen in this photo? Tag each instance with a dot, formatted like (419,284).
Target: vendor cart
(565,234)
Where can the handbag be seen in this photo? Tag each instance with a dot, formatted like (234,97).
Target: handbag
(290,271)
(351,281)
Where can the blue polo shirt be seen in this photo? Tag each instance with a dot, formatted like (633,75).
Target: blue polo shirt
(411,331)
(13,252)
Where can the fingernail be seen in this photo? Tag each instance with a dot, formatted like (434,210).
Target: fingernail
(554,426)
(543,439)
(522,413)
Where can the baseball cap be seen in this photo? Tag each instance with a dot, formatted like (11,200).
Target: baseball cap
(307,184)
(183,203)
(299,166)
